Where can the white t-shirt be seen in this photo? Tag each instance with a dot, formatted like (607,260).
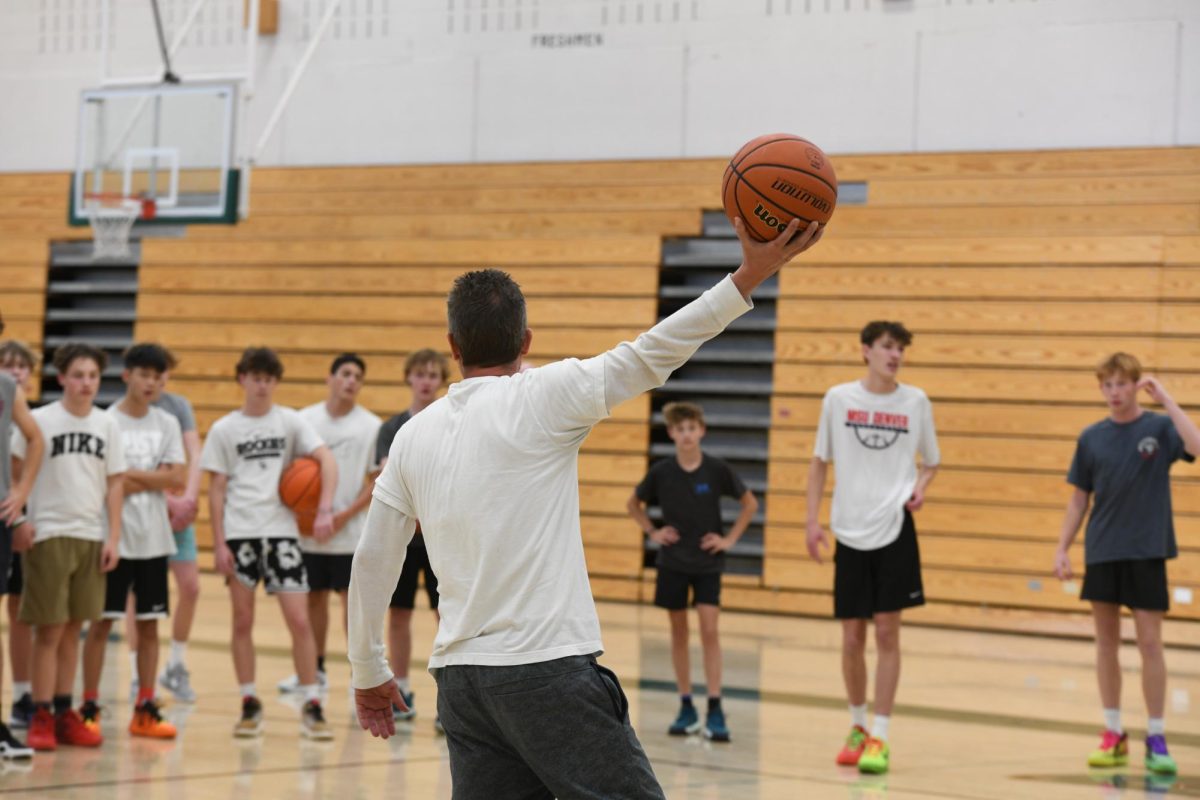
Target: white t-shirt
(490,470)
(352,440)
(253,452)
(69,497)
(148,443)
(873,440)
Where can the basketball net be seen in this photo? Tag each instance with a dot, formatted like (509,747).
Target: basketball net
(111,218)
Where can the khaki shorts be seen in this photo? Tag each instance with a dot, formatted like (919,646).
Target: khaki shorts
(63,582)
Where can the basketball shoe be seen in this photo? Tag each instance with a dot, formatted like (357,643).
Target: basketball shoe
(1113,752)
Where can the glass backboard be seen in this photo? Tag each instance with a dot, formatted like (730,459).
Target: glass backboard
(169,143)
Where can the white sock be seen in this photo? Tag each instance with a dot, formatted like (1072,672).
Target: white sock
(1112,720)
(879,728)
(1156,726)
(858,716)
(21,688)
(403,684)
(310,691)
(133,670)
(248,690)
(178,652)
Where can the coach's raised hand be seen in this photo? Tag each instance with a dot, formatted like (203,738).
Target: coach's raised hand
(761,260)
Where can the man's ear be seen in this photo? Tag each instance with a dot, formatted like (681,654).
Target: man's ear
(455,353)
(526,342)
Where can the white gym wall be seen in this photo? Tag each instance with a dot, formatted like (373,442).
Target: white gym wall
(497,80)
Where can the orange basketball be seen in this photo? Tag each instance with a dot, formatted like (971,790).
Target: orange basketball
(300,490)
(777,177)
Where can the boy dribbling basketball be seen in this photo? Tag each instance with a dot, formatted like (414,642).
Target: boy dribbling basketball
(1124,462)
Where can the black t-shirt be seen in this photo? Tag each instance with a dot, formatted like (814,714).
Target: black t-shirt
(387,432)
(691,503)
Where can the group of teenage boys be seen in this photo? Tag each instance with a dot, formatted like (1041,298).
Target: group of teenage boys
(879,434)
(100,505)
(100,508)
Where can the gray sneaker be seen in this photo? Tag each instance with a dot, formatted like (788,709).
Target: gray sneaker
(177,680)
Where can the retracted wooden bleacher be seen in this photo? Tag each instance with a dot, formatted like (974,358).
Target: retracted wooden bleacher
(1017,272)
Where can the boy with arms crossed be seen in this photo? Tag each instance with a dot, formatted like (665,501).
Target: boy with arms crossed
(255,536)
(1125,461)
(19,361)
(349,431)
(426,372)
(692,550)
(153,448)
(79,487)
(872,430)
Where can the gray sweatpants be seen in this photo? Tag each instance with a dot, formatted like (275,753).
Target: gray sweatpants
(553,729)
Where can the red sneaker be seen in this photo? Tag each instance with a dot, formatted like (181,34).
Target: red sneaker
(853,749)
(41,731)
(70,728)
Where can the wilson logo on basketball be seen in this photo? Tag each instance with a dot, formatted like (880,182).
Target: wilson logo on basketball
(791,190)
(768,217)
(816,159)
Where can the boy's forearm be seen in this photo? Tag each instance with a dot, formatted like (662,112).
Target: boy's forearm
(816,488)
(926,477)
(191,444)
(1072,521)
(1184,426)
(639,515)
(329,478)
(115,503)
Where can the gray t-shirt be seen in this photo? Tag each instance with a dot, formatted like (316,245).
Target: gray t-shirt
(178,407)
(1126,467)
(8,396)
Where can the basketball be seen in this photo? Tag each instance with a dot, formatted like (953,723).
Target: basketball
(777,177)
(300,490)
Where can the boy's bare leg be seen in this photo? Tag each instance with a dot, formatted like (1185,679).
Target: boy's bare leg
(93,654)
(242,636)
(711,642)
(854,660)
(887,661)
(187,584)
(147,652)
(318,616)
(304,650)
(1107,617)
(679,650)
(67,657)
(1154,665)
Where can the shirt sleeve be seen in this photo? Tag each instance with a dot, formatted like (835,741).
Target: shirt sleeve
(172,451)
(374,572)
(931,456)
(1176,447)
(186,416)
(823,445)
(307,438)
(1080,474)
(216,455)
(389,486)
(647,490)
(732,484)
(383,442)
(114,454)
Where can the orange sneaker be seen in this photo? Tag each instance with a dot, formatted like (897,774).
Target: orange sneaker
(147,721)
(89,712)
(852,750)
(70,728)
(41,731)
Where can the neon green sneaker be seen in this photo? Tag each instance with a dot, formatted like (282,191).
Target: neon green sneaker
(1113,752)
(874,759)
(1158,760)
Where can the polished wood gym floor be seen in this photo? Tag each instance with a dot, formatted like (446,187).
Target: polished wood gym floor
(981,716)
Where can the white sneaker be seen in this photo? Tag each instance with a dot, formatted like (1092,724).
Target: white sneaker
(291,684)
(313,724)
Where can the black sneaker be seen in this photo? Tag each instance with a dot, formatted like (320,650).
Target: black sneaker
(10,748)
(312,722)
(251,723)
(90,713)
(22,711)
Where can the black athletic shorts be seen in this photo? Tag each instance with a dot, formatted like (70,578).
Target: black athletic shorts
(870,582)
(328,572)
(1140,584)
(416,561)
(147,579)
(6,558)
(671,589)
(277,562)
(16,576)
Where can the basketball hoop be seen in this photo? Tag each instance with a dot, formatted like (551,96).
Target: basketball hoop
(111,217)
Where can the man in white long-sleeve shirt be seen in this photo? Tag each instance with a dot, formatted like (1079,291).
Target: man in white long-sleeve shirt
(491,472)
